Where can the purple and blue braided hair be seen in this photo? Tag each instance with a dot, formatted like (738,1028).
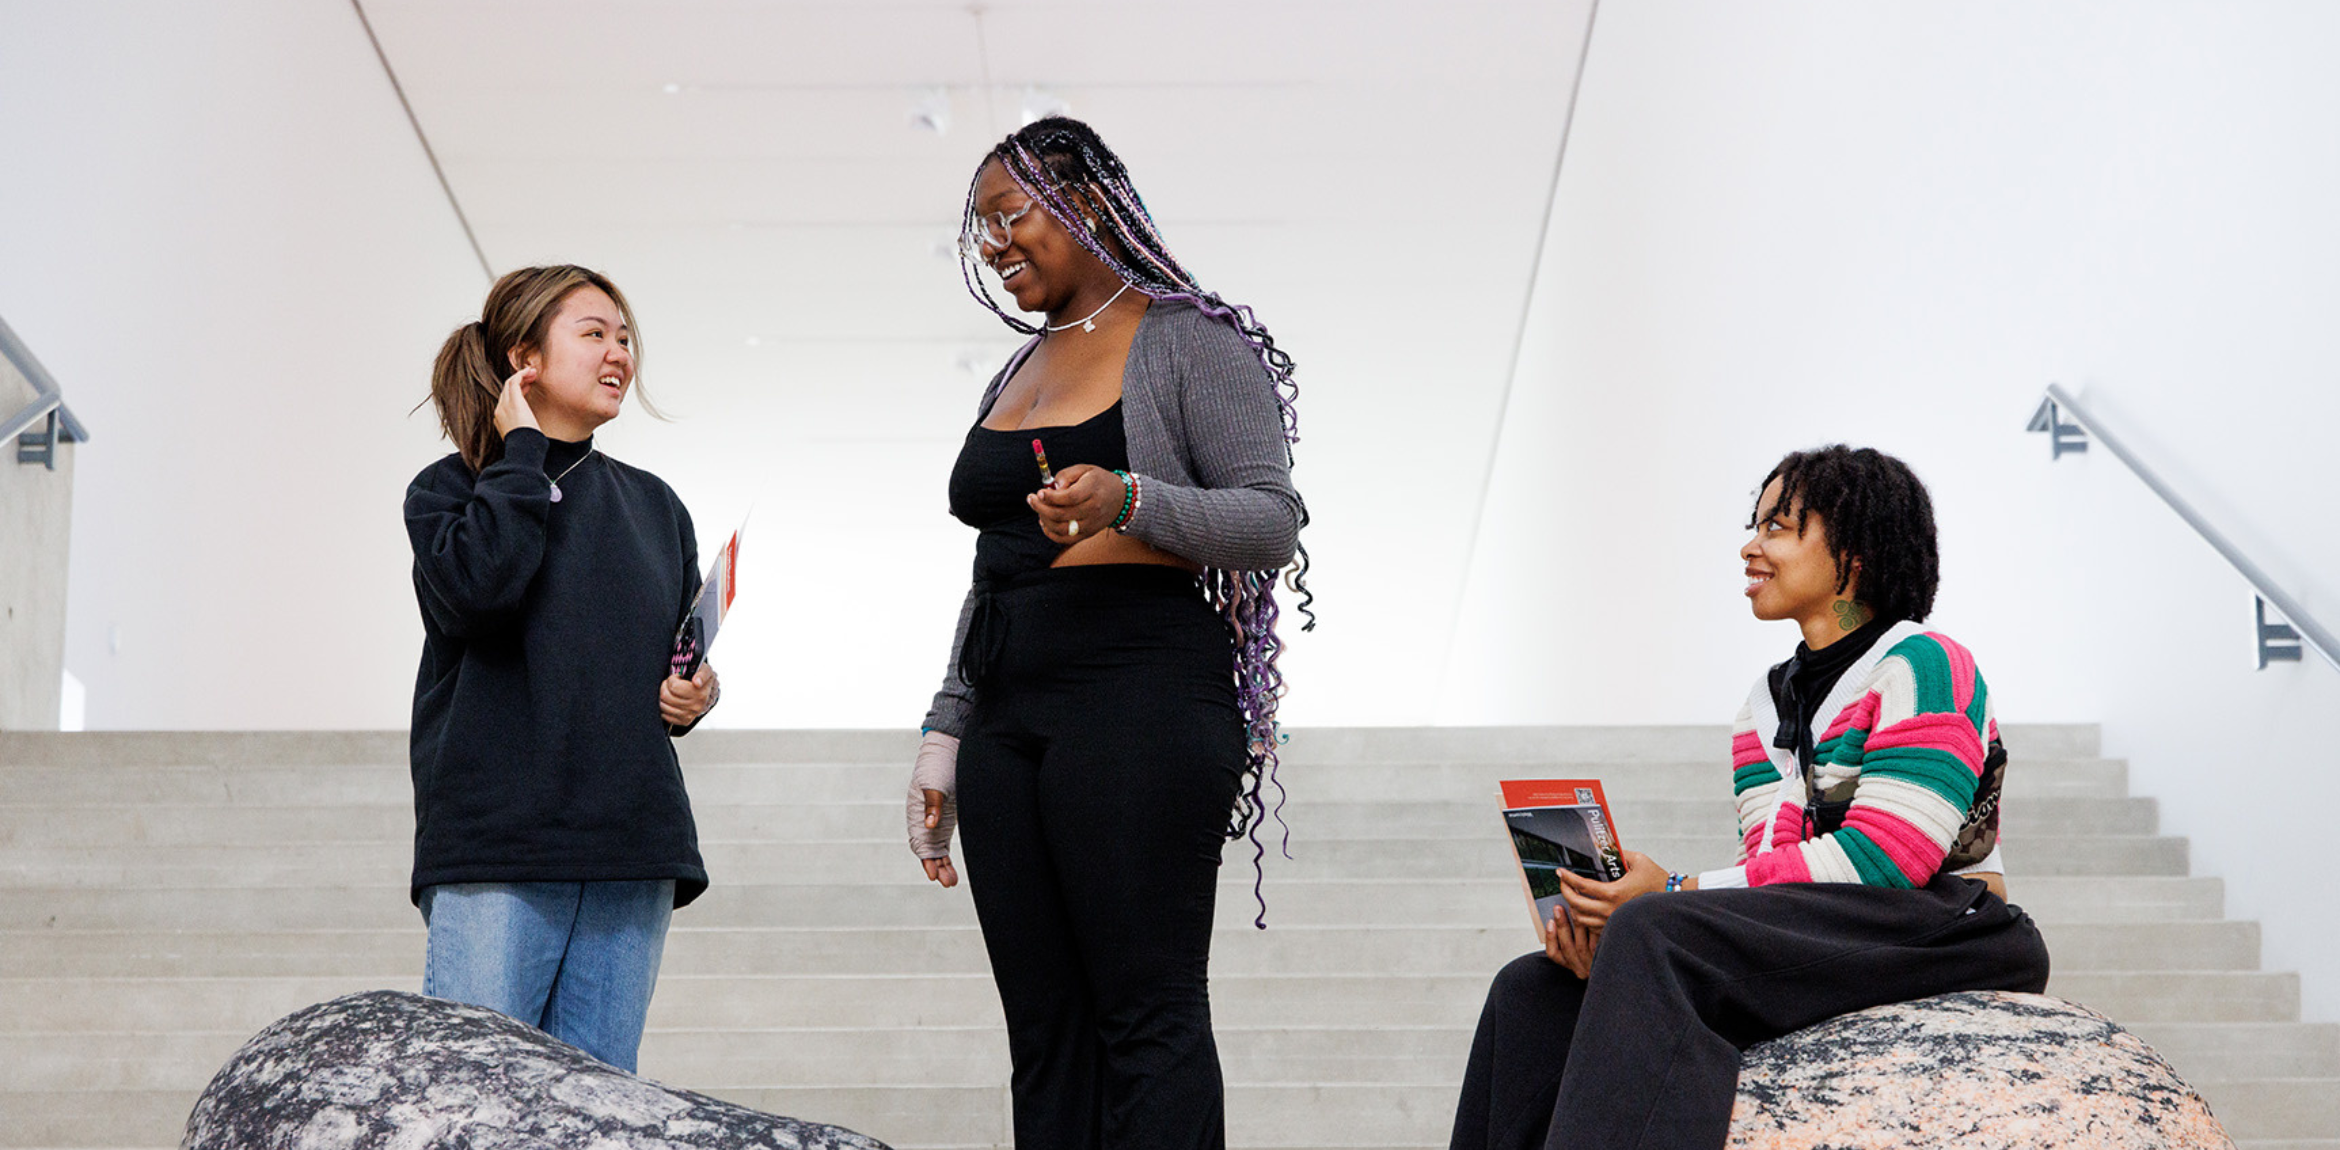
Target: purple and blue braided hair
(1065,168)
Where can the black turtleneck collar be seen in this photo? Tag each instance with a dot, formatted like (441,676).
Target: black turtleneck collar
(559,453)
(1799,685)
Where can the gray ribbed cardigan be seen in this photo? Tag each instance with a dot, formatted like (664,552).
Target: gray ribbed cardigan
(1206,436)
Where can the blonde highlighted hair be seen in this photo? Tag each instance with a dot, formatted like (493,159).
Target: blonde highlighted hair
(469,374)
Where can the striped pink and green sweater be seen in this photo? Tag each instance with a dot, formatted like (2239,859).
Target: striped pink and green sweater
(1906,744)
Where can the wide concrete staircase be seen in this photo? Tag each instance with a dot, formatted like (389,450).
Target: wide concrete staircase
(162,897)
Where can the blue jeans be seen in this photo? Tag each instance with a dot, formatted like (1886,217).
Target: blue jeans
(575,959)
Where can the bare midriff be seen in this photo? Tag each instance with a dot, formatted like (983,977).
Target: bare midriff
(1115,547)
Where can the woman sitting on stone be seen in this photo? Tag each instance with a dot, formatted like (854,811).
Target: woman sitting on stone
(1867,769)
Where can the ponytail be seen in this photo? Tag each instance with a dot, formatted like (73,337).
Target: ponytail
(465,387)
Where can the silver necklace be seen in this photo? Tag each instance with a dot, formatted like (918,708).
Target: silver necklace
(1088,323)
(556,480)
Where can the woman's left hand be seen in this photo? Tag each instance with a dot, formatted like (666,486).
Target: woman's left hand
(1571,944)
(681,701)
(1593,902)
(1083,504)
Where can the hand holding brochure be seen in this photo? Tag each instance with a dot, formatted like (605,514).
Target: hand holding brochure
(1556,825)
(697,635)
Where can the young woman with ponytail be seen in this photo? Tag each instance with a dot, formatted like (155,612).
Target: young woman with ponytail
(1107,721)
(553,838)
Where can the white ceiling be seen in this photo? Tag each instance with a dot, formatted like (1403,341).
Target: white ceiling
(1371,176)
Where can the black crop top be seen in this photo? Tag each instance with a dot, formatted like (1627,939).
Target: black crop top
(996,471)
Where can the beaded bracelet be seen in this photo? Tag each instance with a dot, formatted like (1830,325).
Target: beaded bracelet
(1674,882)
(1129,500)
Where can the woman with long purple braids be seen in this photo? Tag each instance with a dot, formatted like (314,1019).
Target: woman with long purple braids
(1108,718)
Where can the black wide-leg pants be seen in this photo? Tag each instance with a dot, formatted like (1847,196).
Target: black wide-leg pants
(1095,781)
(1645,1053)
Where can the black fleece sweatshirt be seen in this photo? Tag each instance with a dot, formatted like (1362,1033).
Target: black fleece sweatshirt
(538,751)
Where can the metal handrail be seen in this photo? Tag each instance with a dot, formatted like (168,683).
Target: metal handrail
(47,396)
(2308,630)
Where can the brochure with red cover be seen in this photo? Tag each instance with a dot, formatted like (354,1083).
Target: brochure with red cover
(711,603)
(1556,825)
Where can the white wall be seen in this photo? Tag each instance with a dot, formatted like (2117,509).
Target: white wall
(1786,224)
(219,234)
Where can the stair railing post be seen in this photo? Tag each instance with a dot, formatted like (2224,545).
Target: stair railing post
(39,446)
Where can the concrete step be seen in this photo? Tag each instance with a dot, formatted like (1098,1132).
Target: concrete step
(80,1061)
(246,1003)
(387,783)
(2204,946)
(199,748)
(1305,744)
(911,901)
(776,1000)
(1283,1114)
(861,860)
(2230,1050)
(90,1118)
(1395,950)
(693,1001)
(2128,898)
(756,1058)
(750,1057)
(1609,744)
(2274,1107)
(735,1059)
(2139,997)
(743,1058)
(903,1116)
(146,1004)
(115,824)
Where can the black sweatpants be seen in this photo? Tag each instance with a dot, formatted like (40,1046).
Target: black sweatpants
(1645,1053)
(1096,777)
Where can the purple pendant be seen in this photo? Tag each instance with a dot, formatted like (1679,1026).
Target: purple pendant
(556,492)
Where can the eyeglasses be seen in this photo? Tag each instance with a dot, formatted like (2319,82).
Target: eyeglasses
(992,231)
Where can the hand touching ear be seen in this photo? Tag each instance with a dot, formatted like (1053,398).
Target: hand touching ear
(512,410)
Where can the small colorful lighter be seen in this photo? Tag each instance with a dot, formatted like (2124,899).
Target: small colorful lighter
(1039,453)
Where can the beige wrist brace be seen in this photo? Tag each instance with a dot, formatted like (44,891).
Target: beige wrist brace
(936,769)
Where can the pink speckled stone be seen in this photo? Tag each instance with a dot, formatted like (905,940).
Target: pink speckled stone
(1971,1070)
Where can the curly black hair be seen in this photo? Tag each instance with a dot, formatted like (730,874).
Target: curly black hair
(1876,513)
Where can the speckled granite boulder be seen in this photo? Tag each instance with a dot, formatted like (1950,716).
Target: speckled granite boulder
(389,1071)
(1967,1070)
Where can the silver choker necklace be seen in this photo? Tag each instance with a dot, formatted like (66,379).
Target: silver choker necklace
(1088,323)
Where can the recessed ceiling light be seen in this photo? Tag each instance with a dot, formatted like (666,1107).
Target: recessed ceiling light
(755,341)
(932,111)
(672,89)
(1040,103)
